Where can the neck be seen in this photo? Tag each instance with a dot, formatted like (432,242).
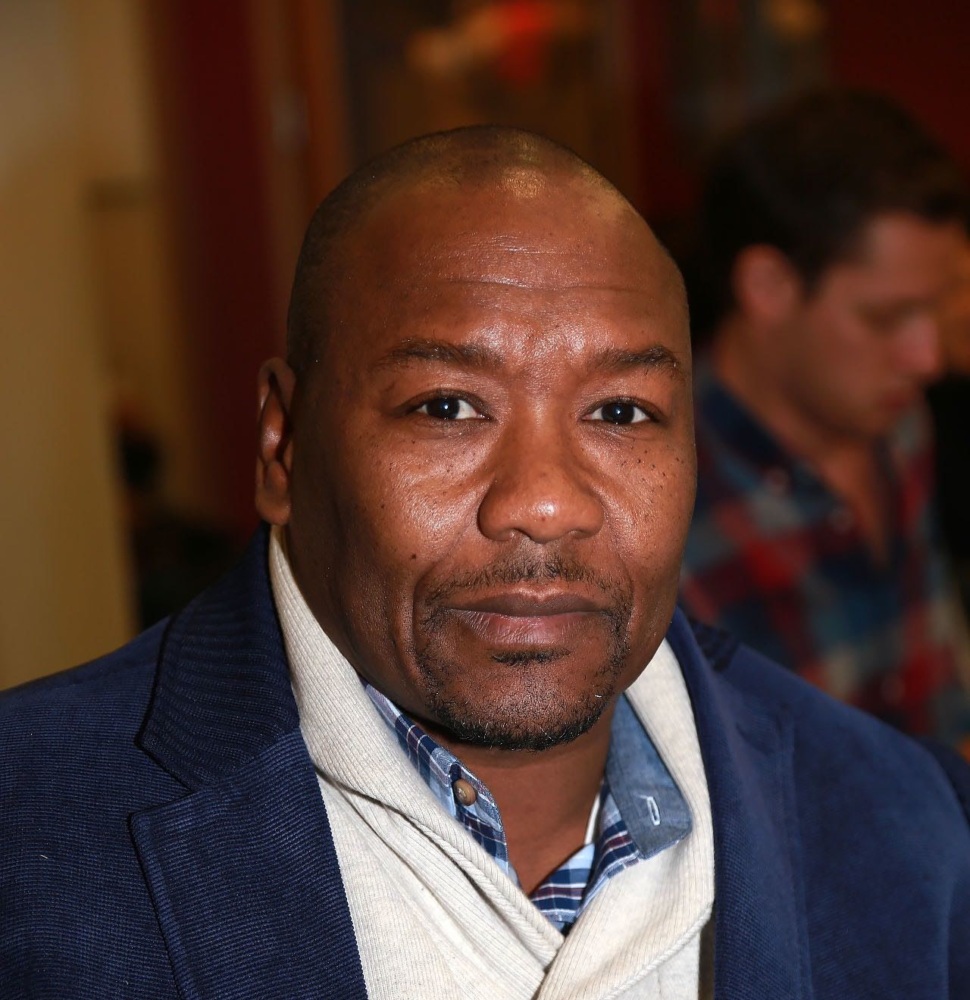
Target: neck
(545,798)
(846,463)
(751,375)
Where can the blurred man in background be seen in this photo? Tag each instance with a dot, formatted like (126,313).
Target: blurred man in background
(831,230)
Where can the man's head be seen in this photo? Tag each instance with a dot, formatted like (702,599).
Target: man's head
(482,446)
(830,229)
(955,320)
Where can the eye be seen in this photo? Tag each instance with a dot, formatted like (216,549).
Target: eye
(620,411)
(449,408)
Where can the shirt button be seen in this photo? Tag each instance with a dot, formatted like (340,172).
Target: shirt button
(464,792)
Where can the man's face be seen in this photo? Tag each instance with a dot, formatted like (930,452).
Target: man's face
(493,469)
(955,320)
(865,341)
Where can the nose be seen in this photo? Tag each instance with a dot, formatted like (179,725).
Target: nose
(920,350)
(539,489)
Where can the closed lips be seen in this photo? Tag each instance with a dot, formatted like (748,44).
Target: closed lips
(526,605)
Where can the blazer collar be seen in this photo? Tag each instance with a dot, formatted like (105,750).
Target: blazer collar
(222,690)
(761,941)
(242,870)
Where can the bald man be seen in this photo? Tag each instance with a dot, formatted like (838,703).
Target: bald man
(442,733)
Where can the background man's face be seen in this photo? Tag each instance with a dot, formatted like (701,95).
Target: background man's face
(864,343)
(493,464)
(955,320)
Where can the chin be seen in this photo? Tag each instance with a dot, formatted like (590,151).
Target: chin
(532,726)
(529,700)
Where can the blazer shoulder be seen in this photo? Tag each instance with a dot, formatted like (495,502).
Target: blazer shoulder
(112,687)
(855,754)
(837,747)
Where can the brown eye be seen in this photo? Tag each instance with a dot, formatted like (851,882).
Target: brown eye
(449,408)
(619,411)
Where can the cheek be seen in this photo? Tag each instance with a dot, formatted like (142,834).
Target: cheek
(650,499)
(413,507)
(652,492)
(651,538)
(835,339)
(829,360)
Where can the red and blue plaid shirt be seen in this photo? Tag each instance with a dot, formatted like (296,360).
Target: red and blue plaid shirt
(647,815)
(777,558)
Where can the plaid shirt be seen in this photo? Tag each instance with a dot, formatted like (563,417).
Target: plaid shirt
(658,815)
(777,558)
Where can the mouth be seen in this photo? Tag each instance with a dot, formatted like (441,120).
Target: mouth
(531,604)
(530,619)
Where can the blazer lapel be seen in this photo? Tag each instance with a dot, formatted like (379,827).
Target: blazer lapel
(242,870)
(760,938)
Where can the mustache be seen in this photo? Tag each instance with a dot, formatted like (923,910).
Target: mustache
(526,568)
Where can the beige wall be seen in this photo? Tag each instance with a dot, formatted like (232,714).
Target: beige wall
(64,589)
(127,208)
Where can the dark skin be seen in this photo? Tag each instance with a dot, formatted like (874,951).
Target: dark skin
(487,480)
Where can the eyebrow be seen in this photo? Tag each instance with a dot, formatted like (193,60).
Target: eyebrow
(474,356)
(427,349)
(654,358)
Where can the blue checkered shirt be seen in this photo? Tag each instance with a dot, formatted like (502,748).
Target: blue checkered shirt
(646,815)
(776,558)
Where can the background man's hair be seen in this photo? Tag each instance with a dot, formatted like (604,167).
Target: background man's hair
(465,156)
(806,178)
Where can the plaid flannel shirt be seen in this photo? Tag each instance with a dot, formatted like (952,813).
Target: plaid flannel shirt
(777,558)
(647,796)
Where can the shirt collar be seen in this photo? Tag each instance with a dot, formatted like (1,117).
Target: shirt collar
(646,796)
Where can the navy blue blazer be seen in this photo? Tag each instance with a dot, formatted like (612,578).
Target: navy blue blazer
(162,833)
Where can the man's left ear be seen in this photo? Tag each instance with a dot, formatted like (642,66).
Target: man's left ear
(766,285)
(274,449)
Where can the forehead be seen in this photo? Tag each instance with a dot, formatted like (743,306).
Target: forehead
(550,238)
(905,252)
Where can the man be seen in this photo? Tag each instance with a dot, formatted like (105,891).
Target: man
(442,733)
(831,229)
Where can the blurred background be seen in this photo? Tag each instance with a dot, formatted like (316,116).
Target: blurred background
(159,160)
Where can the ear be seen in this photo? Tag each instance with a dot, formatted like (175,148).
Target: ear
(767,288)
(274,449)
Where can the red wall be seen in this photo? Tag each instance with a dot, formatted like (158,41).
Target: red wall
(914,52)
(225,240)
(666,187)
(917,53)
